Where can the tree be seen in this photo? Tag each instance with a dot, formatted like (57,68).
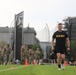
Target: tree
(3,43)
(34,47)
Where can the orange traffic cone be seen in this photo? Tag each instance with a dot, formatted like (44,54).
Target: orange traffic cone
(35,62)
(26,62)
(64,63)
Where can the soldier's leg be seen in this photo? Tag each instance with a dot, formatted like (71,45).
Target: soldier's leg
(5,59)
(0,60)
(59,60)
(30,61)
(9,61)
(21,59)
(38,60)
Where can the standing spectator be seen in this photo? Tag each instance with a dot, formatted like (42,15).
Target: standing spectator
(72,61)
(24,53)
(7,51)
(37,55)
(52,57)
(31,56)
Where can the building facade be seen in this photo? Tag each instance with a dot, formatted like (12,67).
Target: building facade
(28,35)
(70,26)
(46,47)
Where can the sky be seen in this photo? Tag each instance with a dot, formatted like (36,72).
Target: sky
(37,12)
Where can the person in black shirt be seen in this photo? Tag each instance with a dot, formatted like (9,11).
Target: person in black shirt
(52,57)
(61,37)
(72,61)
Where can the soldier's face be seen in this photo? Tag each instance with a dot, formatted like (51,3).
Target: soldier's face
(37,48)
(30,49)
(60,27)
(7,45)
(26,45)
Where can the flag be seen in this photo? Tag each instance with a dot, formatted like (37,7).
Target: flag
(19,19)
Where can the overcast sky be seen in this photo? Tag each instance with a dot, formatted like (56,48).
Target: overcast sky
(37,12)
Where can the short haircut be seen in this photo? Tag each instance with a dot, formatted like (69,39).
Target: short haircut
(59,23)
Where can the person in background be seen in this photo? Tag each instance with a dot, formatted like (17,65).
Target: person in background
(72,62)
(52,57)
(7,51)
(24,53)
(37,55)
(31,56)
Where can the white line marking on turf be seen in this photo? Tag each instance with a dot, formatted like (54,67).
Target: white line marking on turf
(11,68)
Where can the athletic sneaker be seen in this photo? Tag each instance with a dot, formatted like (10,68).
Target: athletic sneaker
(62,67)
(59,68)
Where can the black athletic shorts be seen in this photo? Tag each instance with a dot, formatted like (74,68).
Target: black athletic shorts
(60,49)
(52,56)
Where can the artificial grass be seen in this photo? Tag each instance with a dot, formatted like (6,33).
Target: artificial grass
(36,70)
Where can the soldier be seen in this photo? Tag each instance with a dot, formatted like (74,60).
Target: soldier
(37,55)
(60,40)
(7,51)
(31,56)
(24,53)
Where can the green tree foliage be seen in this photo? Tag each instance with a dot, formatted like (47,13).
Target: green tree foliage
(2,43)
(35,46)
